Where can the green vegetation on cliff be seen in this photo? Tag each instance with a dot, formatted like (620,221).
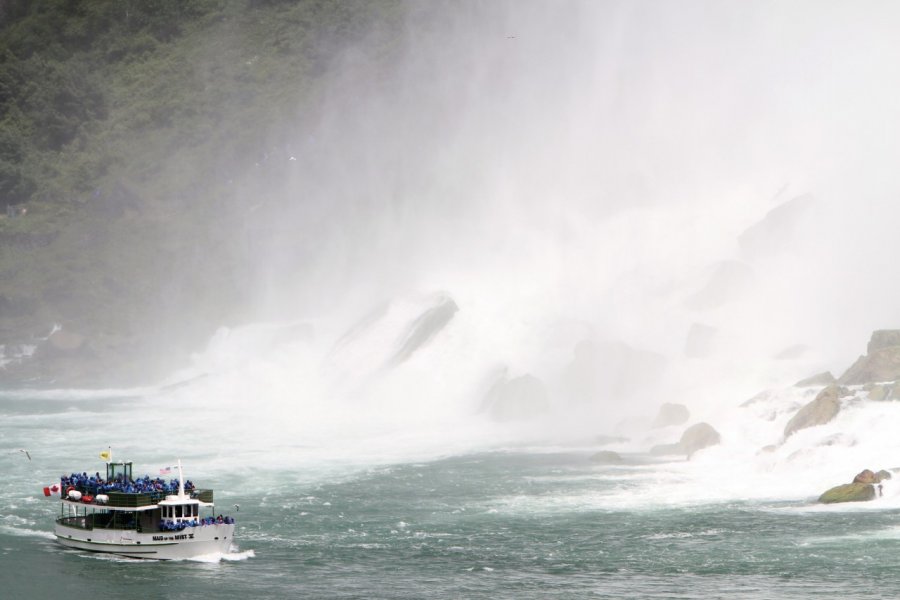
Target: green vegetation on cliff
(130,133)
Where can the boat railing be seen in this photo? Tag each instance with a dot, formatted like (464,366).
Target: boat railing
(120,499)
(80,522)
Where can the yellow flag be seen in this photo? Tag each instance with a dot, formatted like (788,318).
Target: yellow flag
(105,455)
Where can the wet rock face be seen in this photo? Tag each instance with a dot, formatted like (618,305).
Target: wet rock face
(823,409)
(849,492)
(883,392)
(881,363)
(883,338)
(863,488)
(699,436)
(696,437)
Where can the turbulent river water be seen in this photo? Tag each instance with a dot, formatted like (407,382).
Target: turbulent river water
(511,520)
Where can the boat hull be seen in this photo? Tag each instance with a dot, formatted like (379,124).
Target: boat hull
(164,545)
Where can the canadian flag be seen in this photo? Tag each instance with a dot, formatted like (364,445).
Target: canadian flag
(52,490)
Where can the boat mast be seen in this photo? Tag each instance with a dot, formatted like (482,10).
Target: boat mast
(180,480)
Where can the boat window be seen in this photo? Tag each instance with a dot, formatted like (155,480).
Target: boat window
(178,511)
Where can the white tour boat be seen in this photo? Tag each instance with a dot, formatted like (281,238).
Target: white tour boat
(143,518)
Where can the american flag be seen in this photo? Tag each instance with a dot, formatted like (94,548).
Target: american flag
(165,470)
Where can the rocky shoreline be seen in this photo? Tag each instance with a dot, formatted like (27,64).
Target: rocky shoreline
(873,377)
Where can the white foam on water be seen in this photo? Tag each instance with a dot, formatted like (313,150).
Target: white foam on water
(18,531)
(233,555)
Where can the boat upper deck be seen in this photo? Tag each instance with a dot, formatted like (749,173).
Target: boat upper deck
(124,491)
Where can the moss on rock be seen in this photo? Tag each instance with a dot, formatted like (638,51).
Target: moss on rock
(848,492)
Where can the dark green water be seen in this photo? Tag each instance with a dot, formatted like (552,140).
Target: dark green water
(484,526)
(539,523)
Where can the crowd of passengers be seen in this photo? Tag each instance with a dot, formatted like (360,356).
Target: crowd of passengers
(95,484)
(178,526)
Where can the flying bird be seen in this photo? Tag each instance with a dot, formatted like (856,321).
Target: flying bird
(237,507)
(25,452)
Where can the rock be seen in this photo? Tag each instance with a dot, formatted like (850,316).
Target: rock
(424,328)
(881,363)
(880,393)
(883,338)
(768,449)
(699,341)
(696,437)
(883,475)
(607,457)
(699,436)
(865,476)
(824,378)
(671,414)
(849,492)
(516,399)
(823,409)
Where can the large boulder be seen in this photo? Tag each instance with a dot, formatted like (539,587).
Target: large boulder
(696,437)
(671,414)
(849,492)
(881,363)
(883,392)
(699,436)
(607,457)
(520,398)
(823,409)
